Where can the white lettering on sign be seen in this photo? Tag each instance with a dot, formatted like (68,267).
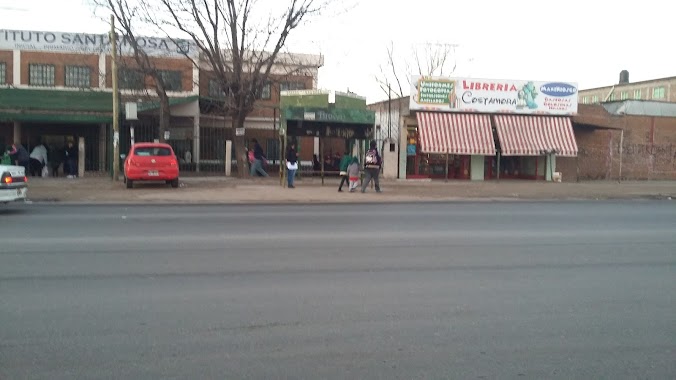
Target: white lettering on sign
(92,43)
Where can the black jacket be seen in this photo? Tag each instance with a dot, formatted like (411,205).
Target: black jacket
(292,156)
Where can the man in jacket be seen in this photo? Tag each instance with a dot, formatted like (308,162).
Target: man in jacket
(259,156)
(372,163)
(344,163)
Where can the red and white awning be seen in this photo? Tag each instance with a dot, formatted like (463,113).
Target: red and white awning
(522,135)
(455,133)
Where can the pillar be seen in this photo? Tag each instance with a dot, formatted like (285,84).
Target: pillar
(81,157)
(228,158)
(550,167)
(17,132)
(102,147)
(476,170)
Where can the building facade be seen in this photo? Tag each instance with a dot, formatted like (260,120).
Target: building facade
(57,87)
(663,90)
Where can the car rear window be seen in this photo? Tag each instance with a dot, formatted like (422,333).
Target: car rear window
(152,151)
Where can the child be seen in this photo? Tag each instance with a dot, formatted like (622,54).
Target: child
(353,173)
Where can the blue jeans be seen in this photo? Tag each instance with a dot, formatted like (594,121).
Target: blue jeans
(257,168)
(291,175)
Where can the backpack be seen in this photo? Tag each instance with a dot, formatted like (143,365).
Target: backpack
(371,158)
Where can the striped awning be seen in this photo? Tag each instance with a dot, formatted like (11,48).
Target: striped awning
(522,135)
(455,133)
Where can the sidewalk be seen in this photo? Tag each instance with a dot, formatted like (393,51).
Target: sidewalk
(309,190)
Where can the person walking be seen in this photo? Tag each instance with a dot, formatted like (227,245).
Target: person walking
(344,163)
(372,163)
(353,174)
(291,165)
(259,156)
(38,159)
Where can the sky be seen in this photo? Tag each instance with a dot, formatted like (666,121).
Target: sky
(583,41)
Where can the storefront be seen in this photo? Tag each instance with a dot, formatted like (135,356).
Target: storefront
(488,129)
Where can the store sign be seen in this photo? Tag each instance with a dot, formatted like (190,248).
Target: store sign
(493,96)
(83,43)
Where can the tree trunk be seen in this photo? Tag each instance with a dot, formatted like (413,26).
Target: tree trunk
(165,116)
(240,152)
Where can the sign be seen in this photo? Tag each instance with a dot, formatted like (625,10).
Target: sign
(410,150)
(131,111)
(239,131)
(493,96)
(167,135)
(84,43)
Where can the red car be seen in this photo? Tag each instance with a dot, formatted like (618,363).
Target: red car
(151,162)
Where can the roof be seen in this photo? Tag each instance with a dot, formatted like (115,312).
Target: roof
(666,79)
(641,108)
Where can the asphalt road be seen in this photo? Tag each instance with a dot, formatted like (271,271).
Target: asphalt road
(570,290)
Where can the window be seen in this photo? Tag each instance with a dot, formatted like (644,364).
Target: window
(290,86)
(658,93)
(172,80)
(585,100)
(613,97)
(637,94)
(41,75)
(78,76)
(131,79)
(624,95)
(3,73)
(595,99)
(266,92)
(272,149)
(215,90)
(152,151)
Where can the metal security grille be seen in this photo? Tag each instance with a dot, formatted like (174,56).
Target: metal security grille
(3,73)
(172,80)
(78,76)
(41,75)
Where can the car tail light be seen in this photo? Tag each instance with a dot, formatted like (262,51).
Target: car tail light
(25,179)
(173,163)
(7,179)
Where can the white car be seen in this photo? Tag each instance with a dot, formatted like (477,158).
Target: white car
(13,183)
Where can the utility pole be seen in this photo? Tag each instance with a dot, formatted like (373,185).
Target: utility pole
(389,110)
(116,102)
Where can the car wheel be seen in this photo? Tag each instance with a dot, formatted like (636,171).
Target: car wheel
(174,183)
(130,183)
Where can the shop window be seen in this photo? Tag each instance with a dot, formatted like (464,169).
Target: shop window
(3,73)
(41,75)
(131,79)
(78,76)
(637,94)
(171,79)
(658,93)
(624,95)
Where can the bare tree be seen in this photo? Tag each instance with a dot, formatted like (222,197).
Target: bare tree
(429,59)
(129,16)
(239,43)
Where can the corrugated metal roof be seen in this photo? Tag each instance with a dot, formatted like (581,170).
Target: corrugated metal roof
(641,108)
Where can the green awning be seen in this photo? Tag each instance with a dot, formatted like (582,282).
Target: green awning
(20,99)
(36,117)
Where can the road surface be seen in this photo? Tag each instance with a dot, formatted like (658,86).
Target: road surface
(549,290)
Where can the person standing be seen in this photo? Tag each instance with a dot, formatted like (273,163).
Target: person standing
(38,159)
(259,156)
(353,173)
(344,163)
(70,155)
(20,155)
(291,165)
(372,163)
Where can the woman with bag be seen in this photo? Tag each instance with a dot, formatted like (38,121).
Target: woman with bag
(291,164)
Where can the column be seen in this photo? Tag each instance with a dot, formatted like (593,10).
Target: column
(81,157)
(103,147)
(550,167)
(196,143)
(228,158)
(16,68)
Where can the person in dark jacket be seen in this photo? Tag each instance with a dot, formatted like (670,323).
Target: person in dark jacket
(70,156)
(21,156)
(291,165)
(259,156)
(344,163)
(372,163)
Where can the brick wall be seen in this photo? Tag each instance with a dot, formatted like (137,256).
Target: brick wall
(60,61)
(7,57)
(648,148)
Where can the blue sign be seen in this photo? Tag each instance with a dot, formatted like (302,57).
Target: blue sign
(410,150)
(558,89)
